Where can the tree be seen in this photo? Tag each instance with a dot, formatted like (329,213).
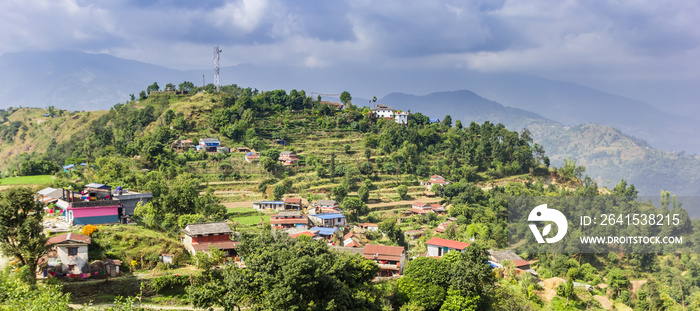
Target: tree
(366,168)
(339,193)
(290,274)
(447,121)
(345,97)
(368,154)
(363,193)
(186,86)
(142,95)
(566,290)
(395,234)
(356,207)
(402,190)
(618,281)
(153,88)
(168,116)
(21,229)
(209,259)
(279,191)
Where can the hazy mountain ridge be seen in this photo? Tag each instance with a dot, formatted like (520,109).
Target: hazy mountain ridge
(608,154)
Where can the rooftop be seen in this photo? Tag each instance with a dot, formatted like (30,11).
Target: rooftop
(324,231)
(288,213)
(447,243)
(292,200)
(73,237)
(383,252)
(207,228)
(327,203)
(500,256)
(325,216)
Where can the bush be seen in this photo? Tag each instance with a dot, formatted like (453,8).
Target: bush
(402,190)
(89,230)
(169,282)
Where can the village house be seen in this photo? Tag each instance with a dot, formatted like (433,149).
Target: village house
(327,206)
(71,167)
(442,227)
(182,144)
(201,236)
(414,234)
(351,240)
(391,259)
(293,203)
(243,149)
(325,233)
(497,257)
(130,198)
(209,144)
(328,220)
(383,111)
(401,117)
(369,226)
(68,253)
(288,158)
(335,105)
(435,180)
(268,205)
(252,157)
(438,247)
(289,219)
(94,205)
(421,208)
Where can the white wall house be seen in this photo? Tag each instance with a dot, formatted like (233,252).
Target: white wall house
(383,111)
(401,117)
(68,253)
(438,247)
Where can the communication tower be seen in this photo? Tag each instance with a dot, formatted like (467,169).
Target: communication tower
(217,56)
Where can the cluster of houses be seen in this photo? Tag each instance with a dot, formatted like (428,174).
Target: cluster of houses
(207,144)
(66,254)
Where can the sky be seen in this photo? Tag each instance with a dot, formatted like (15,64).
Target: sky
(645,49)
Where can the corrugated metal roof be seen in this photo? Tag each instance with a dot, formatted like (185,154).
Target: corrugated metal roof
(325,231)
(74,237)
(327,216)
(447,243)
(207,228)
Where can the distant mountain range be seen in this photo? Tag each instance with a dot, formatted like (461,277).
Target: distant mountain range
(608,154)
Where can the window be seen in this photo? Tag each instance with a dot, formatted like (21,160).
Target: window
(71,268)
(72,251)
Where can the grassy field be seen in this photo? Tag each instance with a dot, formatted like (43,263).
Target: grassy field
(27,180)
(250,220)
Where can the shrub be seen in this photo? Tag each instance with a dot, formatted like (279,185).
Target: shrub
(89,230)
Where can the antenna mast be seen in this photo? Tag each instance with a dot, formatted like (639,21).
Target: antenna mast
(217,56)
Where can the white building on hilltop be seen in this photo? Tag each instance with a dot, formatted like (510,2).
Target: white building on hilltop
(384,111)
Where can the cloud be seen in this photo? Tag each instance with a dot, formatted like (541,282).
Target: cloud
(595,38)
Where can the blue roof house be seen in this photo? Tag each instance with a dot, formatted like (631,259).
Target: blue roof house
(328,220)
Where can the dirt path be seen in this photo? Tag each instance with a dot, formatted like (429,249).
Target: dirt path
(604,301)
(637,284)
(238,204)
(404,202)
